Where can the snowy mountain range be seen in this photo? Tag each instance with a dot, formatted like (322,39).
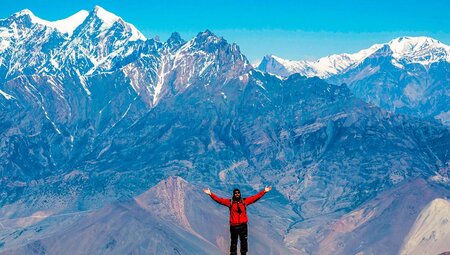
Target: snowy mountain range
(404,51)
(322,68)
(407,75)
(107,138)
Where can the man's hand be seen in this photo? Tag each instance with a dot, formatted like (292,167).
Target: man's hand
(207,191)
(268,188)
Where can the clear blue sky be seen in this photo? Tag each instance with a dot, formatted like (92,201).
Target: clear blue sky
(289,29)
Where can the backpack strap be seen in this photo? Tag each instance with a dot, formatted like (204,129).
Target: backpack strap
(242,200)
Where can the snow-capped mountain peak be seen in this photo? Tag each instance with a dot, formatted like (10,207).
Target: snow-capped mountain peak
(27,18)
(106,16)
(279,66)
(64,26)
(400,43)
(422,50)
(109,19)
(24,12)
(88,41)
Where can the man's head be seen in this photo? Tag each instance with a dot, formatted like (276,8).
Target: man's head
(236,194)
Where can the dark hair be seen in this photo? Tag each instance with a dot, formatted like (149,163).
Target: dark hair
(236,190)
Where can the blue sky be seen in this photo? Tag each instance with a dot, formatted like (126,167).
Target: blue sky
(289,29)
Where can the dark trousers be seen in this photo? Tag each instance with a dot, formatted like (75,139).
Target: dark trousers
(241,232)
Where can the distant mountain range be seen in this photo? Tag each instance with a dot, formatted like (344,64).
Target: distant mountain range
(408,75)
(107,138)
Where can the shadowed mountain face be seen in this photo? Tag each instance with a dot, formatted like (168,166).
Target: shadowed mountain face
(407,88)
(103,114)
(58,103)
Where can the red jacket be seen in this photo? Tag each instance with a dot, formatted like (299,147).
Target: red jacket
(235,217)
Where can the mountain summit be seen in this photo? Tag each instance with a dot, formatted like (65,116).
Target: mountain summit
(421,50)
(108,20)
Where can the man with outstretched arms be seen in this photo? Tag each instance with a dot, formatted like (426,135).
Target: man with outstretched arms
(238,216)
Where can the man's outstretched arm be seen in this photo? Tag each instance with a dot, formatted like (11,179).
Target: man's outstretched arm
(222,201)
(254,198)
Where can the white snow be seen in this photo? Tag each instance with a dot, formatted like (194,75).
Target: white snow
(132,76)
(65,26)
(109,19)
(83,83)
(34,18)
(6,95)
(422,50)
(25,12)
(68,25)
(161,79)
(54,63)
(4,43)
(405,50)
(209,61)
(136,34)
(326,66)
(47,116)
(260,84)
(397,64)
(123,116)
(104,150)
